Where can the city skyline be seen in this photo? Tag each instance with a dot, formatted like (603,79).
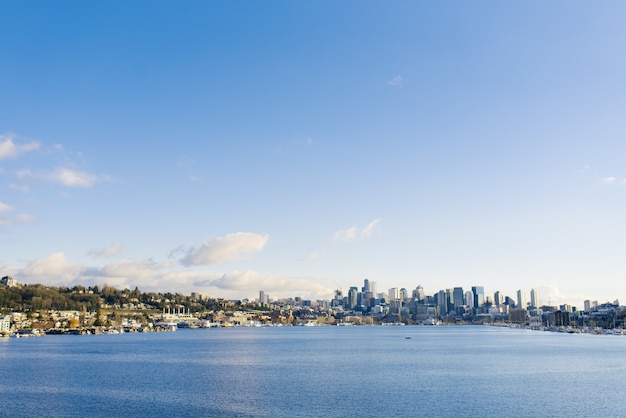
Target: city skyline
(302,147)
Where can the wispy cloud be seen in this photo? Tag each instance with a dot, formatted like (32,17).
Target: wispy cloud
(613,180)
(109,251)
(397,81)
(5,208)
(10,149)
(354,233)
(227,248)
(19,218)
(250,282)
(348,234)
(25,218)
(20,187)
(367,231)
(311,256)
(67,177)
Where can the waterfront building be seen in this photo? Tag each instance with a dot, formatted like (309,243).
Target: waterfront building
(5,324)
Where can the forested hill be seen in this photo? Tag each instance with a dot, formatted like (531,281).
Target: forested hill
(33,297)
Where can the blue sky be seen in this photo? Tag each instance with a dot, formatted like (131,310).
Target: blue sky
(298,147)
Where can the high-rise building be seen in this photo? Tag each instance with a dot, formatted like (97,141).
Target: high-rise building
(469,299)
(458,297)
(373,289)
(263,298)
(352,297)
(418,293)
(498,298)
(366,286)
(535,302)
(442,302)
(521,299)
(394,294)
(479,296)
(449,300)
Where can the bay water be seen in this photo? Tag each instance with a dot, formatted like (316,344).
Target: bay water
(368,371)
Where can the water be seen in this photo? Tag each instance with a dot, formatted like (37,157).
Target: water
(316,371)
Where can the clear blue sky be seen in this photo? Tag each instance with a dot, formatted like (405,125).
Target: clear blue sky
(298,147)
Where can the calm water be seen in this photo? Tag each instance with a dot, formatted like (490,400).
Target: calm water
(316,371)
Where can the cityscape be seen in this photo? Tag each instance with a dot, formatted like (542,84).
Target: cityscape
(34,310)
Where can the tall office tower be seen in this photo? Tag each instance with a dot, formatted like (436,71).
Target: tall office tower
(469,299)
(263,298)
(373,289)
(366,286)
(498,298)
(521,299)
(419,293)
(404,294)
(458,297)
(352,297)
(587,305)
(479,296)
(338,299)
(442,302)
(535,302)
(394,294)
(449,300)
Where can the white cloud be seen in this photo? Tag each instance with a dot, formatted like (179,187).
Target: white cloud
(397,81)
(227,248)
(21,187)
(73,178)
(251,282)
(312,256)
(19,218)
(128,268)
(367,231)
(54,269)
(345,234)
(65,176)
(5,208)
(609,180)
(25,218)
(109,251)
(353,233)
(129,273)
(9,149)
